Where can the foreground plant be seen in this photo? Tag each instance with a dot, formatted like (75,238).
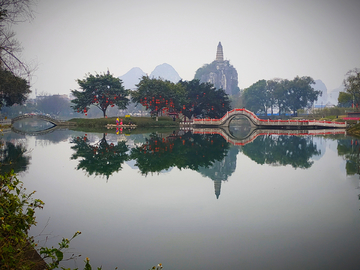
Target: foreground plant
(17,211)
(158,267)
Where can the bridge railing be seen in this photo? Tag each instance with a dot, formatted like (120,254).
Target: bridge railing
(39,116)
(257,121)
(223,119)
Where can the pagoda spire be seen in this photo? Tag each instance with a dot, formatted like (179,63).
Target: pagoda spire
(219,53)
(217,186)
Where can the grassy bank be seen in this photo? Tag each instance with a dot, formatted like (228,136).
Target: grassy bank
(354,130)
(140,122)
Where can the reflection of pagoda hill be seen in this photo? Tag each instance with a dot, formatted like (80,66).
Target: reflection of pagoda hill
(221,170)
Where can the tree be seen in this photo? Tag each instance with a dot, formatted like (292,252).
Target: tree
(204,100)
(345,99)
(280,95)
(284,94)
(299,93)
(255,97)
(273,92)
(352,85)
(13,89)
(53,104)
(13,12)
(100,90)
(158,96)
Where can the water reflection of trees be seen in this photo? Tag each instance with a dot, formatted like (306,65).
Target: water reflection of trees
(282,150)
(100,158)
(349,149)
(189,150)
(13,157)
(208,154)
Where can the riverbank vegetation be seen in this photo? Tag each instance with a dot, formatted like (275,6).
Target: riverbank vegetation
(331,113)
(354,130)
(139,122)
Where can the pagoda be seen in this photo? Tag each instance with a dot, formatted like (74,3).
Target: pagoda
(219,53)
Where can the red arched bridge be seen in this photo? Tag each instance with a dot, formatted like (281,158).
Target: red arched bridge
(268,123)
(53,121)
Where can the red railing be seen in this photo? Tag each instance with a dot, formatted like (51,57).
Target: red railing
(258,120)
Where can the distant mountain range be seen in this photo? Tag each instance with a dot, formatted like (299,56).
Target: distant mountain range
(319,85)
(163,71)
(328,97)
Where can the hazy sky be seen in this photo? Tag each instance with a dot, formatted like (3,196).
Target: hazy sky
(262,39)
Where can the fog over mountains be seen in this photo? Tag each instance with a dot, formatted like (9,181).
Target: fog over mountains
(132,77)
(163,71)
(328,97)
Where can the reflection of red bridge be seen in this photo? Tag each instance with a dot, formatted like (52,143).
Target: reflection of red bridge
(259,132)
(261,123)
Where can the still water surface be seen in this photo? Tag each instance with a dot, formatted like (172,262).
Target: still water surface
(193,201)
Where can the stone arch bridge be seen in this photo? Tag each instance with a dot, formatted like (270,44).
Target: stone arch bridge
(51,120)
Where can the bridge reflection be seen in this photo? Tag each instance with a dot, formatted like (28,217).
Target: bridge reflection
(36,133)
(253,133)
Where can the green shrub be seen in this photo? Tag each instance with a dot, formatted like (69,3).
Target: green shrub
(17,211)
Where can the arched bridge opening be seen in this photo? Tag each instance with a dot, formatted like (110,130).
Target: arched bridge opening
(37,116)
(236,118)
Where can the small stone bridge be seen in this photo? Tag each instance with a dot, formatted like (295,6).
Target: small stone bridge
(261,123)
(41,117)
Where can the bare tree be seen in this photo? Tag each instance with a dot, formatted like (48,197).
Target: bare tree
(13,12)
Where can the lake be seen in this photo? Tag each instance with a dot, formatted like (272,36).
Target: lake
(194,201)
